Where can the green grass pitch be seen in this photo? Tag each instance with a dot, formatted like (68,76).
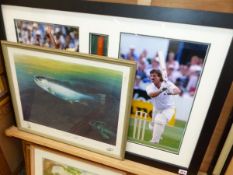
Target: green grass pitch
(171,138)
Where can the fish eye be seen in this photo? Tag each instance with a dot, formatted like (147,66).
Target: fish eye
(37,77)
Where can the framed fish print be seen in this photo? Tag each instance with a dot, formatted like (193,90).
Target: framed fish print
(73,98)
(46,162)
(191,49)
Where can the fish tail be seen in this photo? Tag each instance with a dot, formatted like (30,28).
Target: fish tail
(101,98)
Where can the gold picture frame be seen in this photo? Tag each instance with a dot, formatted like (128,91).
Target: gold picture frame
(74,98)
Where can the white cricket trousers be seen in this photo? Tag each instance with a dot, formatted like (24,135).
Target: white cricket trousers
(159,122)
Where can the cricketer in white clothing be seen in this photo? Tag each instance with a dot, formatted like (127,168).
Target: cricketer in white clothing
(161,93)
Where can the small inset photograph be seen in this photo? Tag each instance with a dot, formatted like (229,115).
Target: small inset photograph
(98,44)
(47,35)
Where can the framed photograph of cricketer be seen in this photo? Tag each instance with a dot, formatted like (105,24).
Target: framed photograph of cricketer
(161,32)
(46,162)
(180,64)
(74,98)
(98,44)
(170,89)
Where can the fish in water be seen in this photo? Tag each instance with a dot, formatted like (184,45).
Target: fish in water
(102,129)
(65,93)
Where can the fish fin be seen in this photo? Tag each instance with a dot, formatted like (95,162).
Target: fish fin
(82,102)
(51,91)
(101,98)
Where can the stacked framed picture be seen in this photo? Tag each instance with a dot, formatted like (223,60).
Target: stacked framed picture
(45,161)
(190,52)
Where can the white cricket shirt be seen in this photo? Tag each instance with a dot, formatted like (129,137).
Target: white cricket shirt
(162,101)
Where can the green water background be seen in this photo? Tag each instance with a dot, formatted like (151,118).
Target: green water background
(41,107)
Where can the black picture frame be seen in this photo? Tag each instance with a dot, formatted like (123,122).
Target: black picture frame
(181,16)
